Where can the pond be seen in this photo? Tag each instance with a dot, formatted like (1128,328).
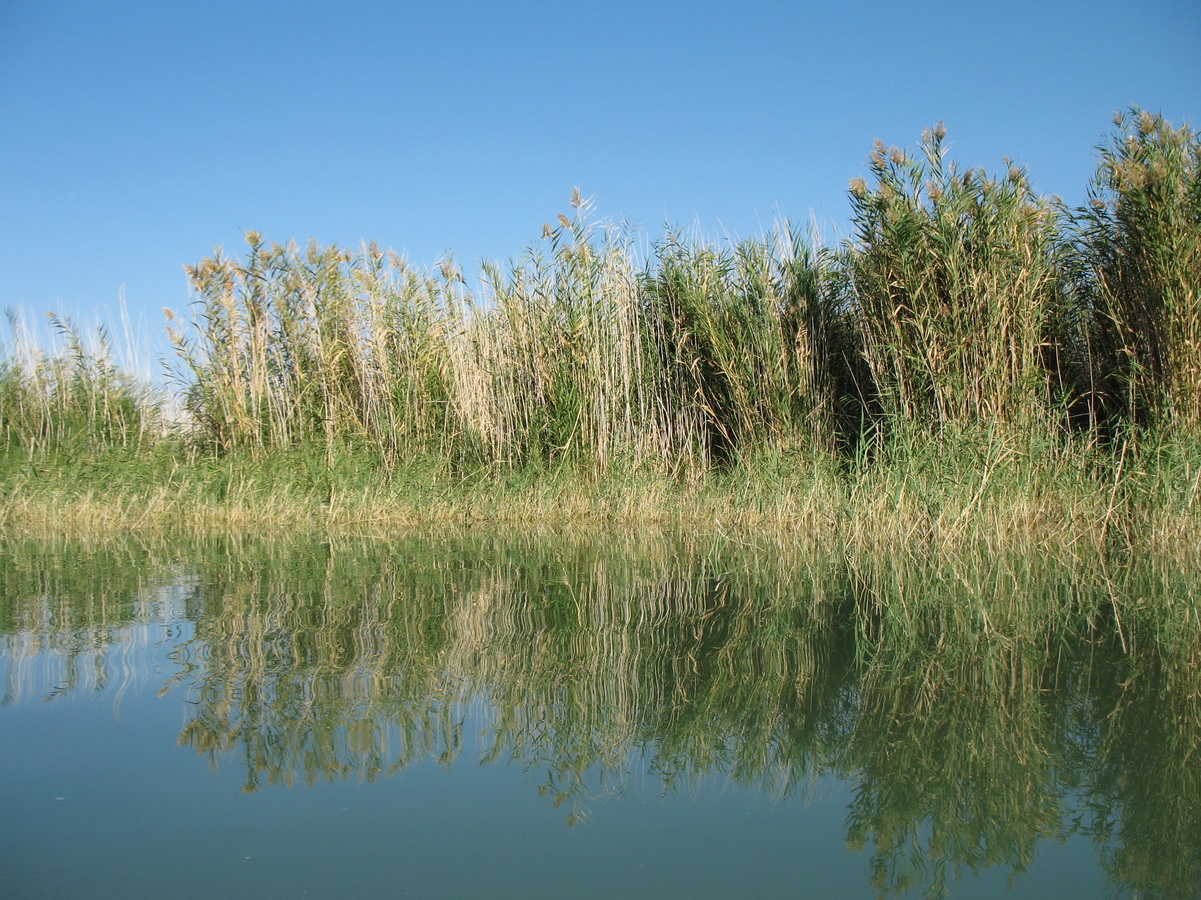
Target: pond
(641,715)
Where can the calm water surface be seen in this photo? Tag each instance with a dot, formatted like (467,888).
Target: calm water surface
(507,716)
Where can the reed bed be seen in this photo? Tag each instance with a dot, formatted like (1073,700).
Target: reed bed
(974,359)
(957,295)
(578,353)
(1140,244)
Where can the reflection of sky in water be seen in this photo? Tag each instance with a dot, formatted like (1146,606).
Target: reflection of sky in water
(506,722)
(45,659)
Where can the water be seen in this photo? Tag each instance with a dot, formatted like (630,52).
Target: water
(522,716)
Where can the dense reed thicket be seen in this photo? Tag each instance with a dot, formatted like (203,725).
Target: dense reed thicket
(964,308)
(955,278)
(1140,245)
(576,353)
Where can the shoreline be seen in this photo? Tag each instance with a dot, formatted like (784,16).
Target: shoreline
(938,500)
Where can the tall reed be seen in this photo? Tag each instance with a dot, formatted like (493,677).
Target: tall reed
(746,344)
(956,286)
(965,310)
(65,394)
(289,348)
(1140,246)
(557,341)
(578,353)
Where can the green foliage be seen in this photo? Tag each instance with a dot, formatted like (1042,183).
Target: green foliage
(963,301)
(290,348)
(955,281)
(748,345)
(1140,252)
(576,354)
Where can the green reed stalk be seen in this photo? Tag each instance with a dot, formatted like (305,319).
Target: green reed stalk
(578,354)
(958,321)
(747,345)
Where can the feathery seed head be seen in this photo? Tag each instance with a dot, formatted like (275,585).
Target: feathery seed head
(878,152)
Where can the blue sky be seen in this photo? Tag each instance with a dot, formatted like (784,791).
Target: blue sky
(135,137)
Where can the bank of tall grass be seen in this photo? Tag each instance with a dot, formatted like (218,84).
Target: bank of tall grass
(975,361)
(65,392)
(577,354)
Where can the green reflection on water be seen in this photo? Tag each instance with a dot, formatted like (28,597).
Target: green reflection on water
(976,707)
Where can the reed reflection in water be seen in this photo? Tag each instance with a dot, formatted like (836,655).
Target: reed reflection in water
(976,707)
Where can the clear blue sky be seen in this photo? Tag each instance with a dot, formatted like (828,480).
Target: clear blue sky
(136,136)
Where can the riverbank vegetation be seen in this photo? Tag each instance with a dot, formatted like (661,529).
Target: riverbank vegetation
(975,363)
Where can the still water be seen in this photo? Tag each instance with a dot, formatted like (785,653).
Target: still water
(531,716)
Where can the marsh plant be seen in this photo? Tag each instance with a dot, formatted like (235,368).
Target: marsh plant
(576,353)
(963,298)
(970,340)
(67,394)
(1140,246)
(956,289)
